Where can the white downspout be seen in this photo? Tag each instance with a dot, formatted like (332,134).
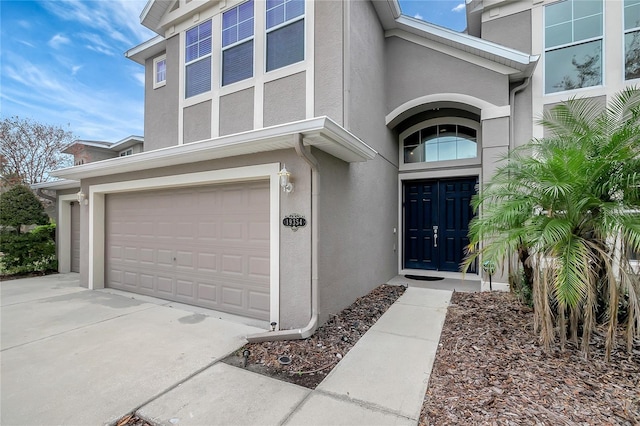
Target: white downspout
(512,111)
(310,328)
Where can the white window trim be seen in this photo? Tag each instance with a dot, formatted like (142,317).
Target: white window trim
(187,63)
(237,43)
(546,49)
(624,47)
(126,152)
(446,163)
(156,83)
(277,27)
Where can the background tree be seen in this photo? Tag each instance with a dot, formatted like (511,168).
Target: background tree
(19,206)
(569,207)
(29,150)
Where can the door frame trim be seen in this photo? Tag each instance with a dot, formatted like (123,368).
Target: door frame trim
(239,174)
(64,232)
(425,175)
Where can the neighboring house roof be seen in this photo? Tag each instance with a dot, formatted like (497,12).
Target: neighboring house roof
(103,145)
(321,133)
(57,184)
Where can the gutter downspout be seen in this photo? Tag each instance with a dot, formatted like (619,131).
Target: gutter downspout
(311,327)
(512,110)
(512,136)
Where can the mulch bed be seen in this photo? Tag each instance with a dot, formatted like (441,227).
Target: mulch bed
(489,369)
(313,358)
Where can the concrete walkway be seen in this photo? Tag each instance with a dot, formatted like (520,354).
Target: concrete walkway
(381,381)
(73,356)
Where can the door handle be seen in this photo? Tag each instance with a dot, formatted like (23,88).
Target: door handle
(435,235)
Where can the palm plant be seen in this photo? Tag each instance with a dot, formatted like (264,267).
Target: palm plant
(568,206)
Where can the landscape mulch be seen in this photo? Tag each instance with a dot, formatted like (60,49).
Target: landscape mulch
(313,358)
(490,369)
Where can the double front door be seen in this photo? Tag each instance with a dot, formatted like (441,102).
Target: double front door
(436,222)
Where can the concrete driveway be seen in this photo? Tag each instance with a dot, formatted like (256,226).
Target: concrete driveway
(78,357)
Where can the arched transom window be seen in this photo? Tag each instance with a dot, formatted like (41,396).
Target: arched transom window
(440,142)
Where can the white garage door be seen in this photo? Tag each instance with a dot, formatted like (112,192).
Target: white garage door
(205,246)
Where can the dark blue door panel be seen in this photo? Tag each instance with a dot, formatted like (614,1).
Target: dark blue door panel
(436,223)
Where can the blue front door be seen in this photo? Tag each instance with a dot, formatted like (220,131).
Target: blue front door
(436,222)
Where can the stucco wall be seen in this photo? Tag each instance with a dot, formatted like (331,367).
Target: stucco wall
(236,112)
(512,31)
(295,255)
(161,104)
(328,59)
(358,202)
(284,100)
(413,71)
(197,122)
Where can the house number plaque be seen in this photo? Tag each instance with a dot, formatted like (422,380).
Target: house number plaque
(294,221)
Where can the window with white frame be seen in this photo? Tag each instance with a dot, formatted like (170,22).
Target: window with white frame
(440,142)
(573,45)
(126,152)
(237,43)
(285,33)
(159,71)
(631,39)
(198,59)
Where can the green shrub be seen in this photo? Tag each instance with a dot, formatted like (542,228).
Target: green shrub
(19,206)
(34,251)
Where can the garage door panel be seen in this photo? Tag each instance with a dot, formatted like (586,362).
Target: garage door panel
(259,266)
(207,246)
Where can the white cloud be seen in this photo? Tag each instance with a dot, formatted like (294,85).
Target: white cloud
(97,44)
(58,40)
(117,19)
(57,97)
(459,8)
(418,16)
(75,69)
(26,43)
(139,76)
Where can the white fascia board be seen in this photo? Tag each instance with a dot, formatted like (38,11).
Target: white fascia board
(94,144)
(388,11)
(147,49)
(465,42)
(126,143)
(152,14)
(320,132)
(57,184)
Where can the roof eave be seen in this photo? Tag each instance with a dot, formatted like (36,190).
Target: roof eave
(320,132)
(57,184)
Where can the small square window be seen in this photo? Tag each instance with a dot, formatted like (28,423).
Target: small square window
(159,71)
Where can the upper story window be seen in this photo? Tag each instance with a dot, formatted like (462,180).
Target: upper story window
(198,59)
(440,142)
(159,71)
(237,43)
(631,39)
(126,152)
(285,33)
(573,45)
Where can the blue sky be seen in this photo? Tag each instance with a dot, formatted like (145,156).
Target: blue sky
(62,62)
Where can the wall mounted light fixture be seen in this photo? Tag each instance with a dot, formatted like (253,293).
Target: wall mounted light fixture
(82,198)
(285,179)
